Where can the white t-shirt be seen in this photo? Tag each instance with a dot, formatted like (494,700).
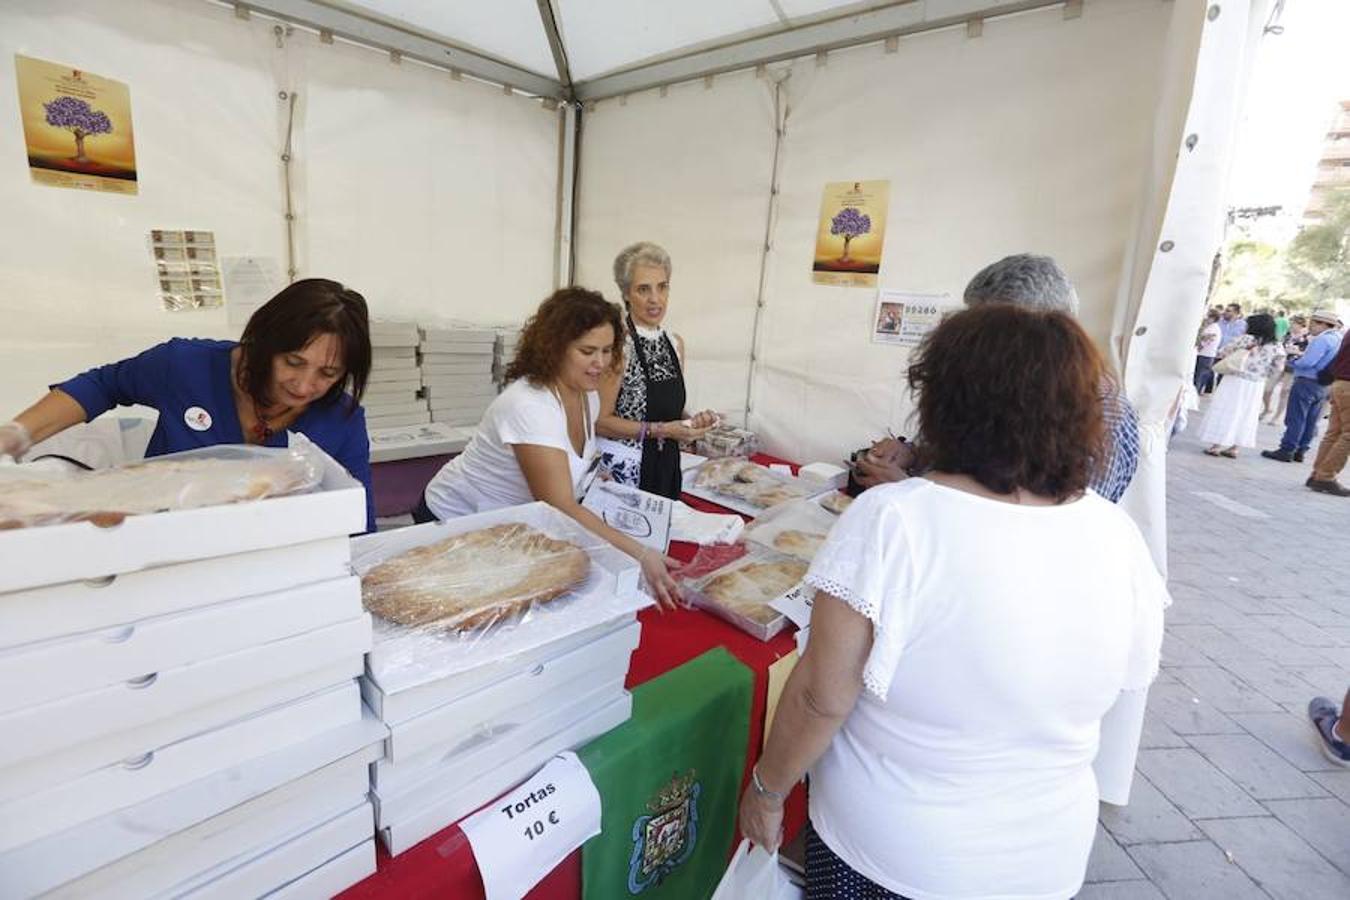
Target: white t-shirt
(486,475)
(1210,336)
(1001,636)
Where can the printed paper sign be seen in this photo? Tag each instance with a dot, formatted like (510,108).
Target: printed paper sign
(642,516)
(796,604)
(851,233)
(525,835)
(904,318)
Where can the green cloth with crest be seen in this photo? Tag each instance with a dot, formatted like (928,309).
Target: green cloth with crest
(669,780)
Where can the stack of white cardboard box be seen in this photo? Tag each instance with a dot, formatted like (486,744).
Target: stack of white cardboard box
(393,395)
(457,372)
(180,709)
(504,351)
(473,715)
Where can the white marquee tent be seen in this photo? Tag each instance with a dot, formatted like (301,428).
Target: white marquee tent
(459,160)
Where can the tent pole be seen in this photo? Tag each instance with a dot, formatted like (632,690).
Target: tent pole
(780,117)
(569,156)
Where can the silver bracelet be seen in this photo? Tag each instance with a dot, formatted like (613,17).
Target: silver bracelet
(761,789)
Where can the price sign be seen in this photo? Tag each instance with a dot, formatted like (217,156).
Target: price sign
(796,604)
(526,834)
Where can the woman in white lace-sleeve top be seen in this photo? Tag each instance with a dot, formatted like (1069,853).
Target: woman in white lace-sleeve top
(970,629)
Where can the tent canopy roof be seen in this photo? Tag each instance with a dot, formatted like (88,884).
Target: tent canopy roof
(587,49)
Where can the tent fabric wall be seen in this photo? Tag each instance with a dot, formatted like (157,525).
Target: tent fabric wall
(1032,137)
(1163,291)
(691,172)
(434,198)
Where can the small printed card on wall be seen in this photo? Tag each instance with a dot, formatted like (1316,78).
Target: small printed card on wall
(76,127)
(903,318)
(852,233)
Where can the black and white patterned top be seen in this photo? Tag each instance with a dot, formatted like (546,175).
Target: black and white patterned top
(631,403)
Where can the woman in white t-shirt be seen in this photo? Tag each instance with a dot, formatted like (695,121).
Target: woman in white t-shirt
(537,439)
(970,629)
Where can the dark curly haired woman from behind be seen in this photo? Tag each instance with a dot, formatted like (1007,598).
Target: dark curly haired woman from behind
(970,629)
(537,439)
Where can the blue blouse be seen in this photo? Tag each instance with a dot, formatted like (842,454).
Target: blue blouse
(189,381)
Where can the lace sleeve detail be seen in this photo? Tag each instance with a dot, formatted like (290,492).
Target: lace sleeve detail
(845,593)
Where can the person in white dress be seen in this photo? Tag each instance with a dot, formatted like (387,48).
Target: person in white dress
(970,629)
(1235,409)
(537,439)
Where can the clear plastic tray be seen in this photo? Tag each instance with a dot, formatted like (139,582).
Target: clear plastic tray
(798,528)
(740,588)
(747,487)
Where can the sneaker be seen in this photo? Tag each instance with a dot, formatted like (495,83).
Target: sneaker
(1280,455)
(1332,487)
(1323,714)
(1298,456)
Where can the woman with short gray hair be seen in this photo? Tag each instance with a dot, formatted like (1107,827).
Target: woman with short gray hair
(642,414)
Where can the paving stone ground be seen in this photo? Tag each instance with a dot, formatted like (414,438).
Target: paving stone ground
(1233,798)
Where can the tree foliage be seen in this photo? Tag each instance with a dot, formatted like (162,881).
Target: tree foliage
(1319,255)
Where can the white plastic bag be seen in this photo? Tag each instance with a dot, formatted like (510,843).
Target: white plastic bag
(755,875)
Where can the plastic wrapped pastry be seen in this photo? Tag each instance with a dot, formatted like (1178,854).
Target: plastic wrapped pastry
(211,476)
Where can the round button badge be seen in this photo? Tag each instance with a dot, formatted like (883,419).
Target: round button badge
(197,418)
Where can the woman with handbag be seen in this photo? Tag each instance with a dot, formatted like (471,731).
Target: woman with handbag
(642,416)
(1245,363)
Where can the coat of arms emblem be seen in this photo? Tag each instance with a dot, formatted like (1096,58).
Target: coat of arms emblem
(664,838)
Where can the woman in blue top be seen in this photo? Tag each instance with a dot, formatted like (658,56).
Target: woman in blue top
(301,365)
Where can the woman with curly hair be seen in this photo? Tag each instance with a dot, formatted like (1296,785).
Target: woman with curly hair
(970,628)
(537,439)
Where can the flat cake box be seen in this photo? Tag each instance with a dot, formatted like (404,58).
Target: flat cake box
(70,552)
(404,657)
(109,840)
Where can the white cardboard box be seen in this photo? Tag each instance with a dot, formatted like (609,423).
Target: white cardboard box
(439,383)
(433,369)
(404,657)
(393,364)
(442,772)
(414,441)
(55,554)
(287,862)
(50,769)
(406,704)
(73,720)
(166,768)
(230,839)
(333,877)
(52,861)
(64,666)
(399,836)
(517,699)
(75,607)
(401,378)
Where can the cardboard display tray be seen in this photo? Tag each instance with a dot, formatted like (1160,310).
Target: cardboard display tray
(52,861)
(514,700)
(166,768)
(55,554)
(286,863)
(77,607)
(440,812)
(405,787)
(62,667)
(404,657)
(51,727)
(230,839)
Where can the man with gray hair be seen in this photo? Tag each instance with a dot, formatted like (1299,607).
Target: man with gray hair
(1034,282)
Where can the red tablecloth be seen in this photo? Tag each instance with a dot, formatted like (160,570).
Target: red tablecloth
(443,865)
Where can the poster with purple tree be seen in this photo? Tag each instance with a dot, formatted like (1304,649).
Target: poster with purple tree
(77,127)
(852,231)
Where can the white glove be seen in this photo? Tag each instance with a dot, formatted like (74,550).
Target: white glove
(15,440)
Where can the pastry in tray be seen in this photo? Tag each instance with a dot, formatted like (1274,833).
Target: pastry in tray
(746,481)
(836,502)
(803,544)
(747,590)
(474,579)
(107,496)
